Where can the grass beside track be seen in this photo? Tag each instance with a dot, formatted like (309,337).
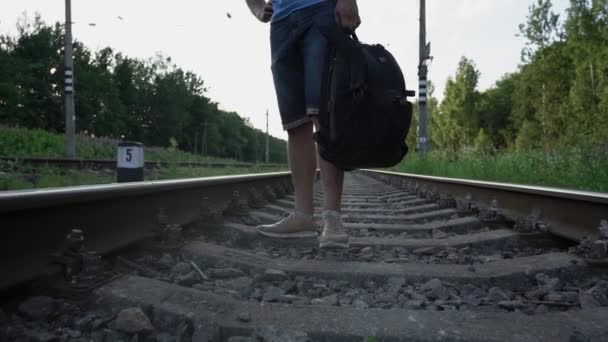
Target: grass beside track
(37,143)
(48,177)
(575,168)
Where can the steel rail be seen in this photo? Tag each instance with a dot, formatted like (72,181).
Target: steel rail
(111,164)
(571,214)
(35,223)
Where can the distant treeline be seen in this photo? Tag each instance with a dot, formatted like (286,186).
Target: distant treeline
(557,98)
(152,101)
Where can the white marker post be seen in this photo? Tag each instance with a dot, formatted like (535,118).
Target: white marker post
(130,162)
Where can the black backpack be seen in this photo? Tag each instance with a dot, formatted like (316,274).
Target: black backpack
(364,116)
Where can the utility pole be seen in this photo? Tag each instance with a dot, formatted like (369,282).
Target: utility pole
(70,116)
(204,139)
(425,55)
(267,140)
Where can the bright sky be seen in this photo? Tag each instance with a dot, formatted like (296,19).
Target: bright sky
(233,54)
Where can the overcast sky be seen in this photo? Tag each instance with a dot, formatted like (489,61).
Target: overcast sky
(232,55)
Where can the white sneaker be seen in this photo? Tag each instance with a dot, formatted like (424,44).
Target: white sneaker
(334,235)
(296,225)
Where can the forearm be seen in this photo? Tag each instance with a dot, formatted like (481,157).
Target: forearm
(256,7)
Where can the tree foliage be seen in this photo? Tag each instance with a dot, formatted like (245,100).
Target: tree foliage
(152,101)
(557,98)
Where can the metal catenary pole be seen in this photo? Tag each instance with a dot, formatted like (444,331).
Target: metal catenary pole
(267,140)
(425,51)
(70,116)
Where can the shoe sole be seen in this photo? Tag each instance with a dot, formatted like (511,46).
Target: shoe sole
(298,235)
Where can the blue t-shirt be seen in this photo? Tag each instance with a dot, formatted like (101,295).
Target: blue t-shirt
(283,8)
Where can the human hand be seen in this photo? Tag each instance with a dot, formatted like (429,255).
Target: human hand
(347,15)
(266,13)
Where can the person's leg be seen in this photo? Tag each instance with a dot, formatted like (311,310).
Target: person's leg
(332,180)
(303,166)
(288,74)
(316,53)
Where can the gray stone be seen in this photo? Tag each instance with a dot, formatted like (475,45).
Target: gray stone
(367,250)
(189,279)
(133,321)
(496,295)
(181,268)
(570,296)
(98,336)
(39,336)
(465,250)
(38,308)
(165,337)
(337,285)
(225,273)
(203,287)
(289,286)
(166,261)
(384,298)
(603,228)
(414,304)
(331,299)
(595,296)
(393,290)
(599,249)
(434,289)
(359,304)
(85,322)
(242,285)
(577,336)
(344,301)
(397,281)
(554,297)
(273,294)
(112,335)
(548,284)
(274,276)
(439,234)
(244,317)
(271,334)
(242,339)
(318,301)
(512,304)
(425,251)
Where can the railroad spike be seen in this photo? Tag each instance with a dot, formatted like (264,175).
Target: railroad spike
(237,206)
(422,191)
(255,200)
(603,228)
(208,216)
(447,200)
(269,194)
(467,206)
(433,194)
(279,192)
(162,217)
(493,213)
(70,256)
(173,234)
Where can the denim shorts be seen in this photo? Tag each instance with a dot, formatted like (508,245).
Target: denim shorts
(300,54)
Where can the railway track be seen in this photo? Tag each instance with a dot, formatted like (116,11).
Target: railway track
(96,164)
(430,259)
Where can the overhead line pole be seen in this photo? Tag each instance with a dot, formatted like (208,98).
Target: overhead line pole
(267,140)
(424,53)
(70,116)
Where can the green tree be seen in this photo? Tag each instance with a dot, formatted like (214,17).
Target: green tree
(458,120)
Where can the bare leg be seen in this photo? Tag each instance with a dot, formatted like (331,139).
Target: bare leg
(303,166)
(333,182)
